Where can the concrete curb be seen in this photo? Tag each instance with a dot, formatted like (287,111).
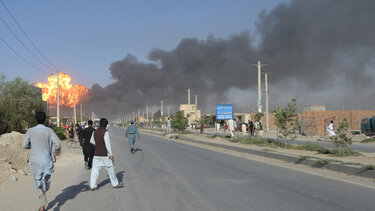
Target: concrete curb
(356,170)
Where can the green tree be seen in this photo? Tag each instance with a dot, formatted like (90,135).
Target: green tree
(342,141)
(179,122)
(258,116)
(19,101)
(156,119)
(286,120)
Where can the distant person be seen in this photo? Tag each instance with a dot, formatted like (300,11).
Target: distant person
(231,126)
(41,139)
(260,132)
(78,130)
(130,133)
(217,127)
(103,156)
(330,129)
(251,128)
(226,127)
(243,127)
(71,133)
(256,128)
(169,125)
(87,148)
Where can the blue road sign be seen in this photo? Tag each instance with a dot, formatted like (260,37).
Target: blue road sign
(224,111)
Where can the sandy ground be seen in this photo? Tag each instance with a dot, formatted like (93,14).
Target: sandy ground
(20,195)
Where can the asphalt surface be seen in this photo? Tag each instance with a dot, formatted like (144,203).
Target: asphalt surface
(355,146)
(165,175)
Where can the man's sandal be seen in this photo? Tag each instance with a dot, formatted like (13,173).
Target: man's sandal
(120,185)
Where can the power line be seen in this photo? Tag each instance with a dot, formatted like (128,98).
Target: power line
(27,36)
(23,44)
(15,52)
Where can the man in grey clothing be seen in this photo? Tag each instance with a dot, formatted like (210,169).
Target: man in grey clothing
(40,139)
(130,133)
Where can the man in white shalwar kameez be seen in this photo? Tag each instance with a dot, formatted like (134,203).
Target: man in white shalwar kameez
(330,130)
(40,139)
(231,125)
(103,157)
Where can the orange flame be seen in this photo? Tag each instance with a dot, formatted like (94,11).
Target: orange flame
(67,90)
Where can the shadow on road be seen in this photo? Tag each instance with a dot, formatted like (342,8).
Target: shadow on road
(119,175)
(68,193)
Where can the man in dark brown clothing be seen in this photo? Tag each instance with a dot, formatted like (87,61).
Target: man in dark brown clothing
(103,156)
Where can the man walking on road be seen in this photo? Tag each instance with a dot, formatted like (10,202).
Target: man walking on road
(87,148)
(131,131)
(41,139)
(103,156)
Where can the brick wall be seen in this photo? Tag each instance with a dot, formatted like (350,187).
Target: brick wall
(315,122)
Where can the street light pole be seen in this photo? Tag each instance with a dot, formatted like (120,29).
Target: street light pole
(58,100)
(75,114)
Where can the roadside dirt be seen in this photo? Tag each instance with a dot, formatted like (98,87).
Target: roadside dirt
(16,188)
(13,159)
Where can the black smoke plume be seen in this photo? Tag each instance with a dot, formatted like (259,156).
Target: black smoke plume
(320,52)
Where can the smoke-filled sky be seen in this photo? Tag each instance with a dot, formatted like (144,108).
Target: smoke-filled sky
(321,52)
(137,53)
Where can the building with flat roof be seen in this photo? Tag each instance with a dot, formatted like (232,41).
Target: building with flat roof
(191,112)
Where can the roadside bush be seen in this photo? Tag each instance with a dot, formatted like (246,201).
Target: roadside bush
(179,122)
(368,140)
(214,136)
(344,152)
(60,132)
(342,141)
(315,147)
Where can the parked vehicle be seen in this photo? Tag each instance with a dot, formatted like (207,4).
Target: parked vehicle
(368,126)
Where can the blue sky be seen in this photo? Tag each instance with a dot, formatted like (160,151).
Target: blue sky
(83,38)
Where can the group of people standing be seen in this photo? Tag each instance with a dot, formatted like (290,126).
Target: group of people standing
(96,148)
(230,126)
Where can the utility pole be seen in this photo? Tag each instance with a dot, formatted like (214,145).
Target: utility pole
(133,116)
(259,102)
(139,114)
(161,108)
(80,106)
(147,113)
(266,88)
(58,100)
(196,107)
(75,113)
(168,111)
(189,96)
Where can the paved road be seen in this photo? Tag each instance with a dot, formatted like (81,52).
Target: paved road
(165,175)
(355,146)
